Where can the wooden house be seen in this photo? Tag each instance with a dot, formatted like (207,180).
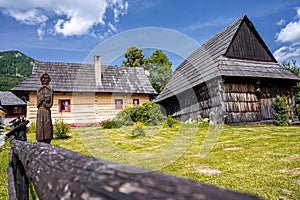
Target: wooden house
(233,76)
(12,105)
(2,117)
(86,93)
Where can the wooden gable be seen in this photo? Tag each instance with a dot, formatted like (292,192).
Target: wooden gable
(236,51)
(247,44)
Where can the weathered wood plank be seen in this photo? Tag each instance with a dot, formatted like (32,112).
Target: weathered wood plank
(11,178)
(59,173)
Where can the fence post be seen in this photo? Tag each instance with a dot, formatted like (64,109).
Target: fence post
(17,178)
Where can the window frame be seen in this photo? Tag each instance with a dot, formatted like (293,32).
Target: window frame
(60,103)
(118,106)
(138,102)
(17,110)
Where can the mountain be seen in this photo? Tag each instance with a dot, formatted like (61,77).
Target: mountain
(14,68)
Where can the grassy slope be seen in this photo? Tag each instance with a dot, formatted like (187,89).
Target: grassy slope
(261,160)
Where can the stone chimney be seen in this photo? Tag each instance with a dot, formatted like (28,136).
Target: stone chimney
(97,63)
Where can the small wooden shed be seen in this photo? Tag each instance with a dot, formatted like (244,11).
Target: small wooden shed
(233,75)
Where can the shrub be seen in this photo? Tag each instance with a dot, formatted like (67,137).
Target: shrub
(170,122)
(138,130)
(123,118)
(148,113)
(298,109)
(61,129)
(108,124)
(155,115)
(281,111)
(141,113)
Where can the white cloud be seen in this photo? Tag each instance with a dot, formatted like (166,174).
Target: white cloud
(68,18)
(290,33)
(40,31)
(289,37)
(120,9)
(286,53)
(29,17)
(280,22)
(298,11)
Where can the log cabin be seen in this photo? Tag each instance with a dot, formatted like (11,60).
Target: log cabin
(12,105)
(86,93)
(232,76)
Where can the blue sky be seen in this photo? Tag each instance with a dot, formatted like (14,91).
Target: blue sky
(70,30)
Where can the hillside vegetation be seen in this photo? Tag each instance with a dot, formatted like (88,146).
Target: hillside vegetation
(14,68)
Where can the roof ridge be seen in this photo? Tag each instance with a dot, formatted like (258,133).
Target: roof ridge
(79,64)
(61,63)
(209,42)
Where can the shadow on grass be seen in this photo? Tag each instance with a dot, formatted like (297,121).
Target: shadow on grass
(62,137)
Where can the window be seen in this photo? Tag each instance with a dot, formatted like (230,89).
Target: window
(136,102)
(118,103)
(17,110)
(64,105)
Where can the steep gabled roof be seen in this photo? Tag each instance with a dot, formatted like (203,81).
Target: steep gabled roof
(9,99)
(74,77)
(238,50)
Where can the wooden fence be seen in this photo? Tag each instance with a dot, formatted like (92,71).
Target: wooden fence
(58,173)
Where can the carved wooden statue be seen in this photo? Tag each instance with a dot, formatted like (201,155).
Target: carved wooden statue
(44,129)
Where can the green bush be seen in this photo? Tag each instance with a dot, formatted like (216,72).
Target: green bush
(123,118)
(138,130)
(281,111)
(141,113)
(148,113)
(108,124)
(298,109)
(155,115)
(61,129)
(170,122)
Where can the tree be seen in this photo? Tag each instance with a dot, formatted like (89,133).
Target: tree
(160,69)
(158,65)
(134,57)
(295,70)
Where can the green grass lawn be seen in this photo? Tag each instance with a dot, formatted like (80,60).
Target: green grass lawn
(260,160)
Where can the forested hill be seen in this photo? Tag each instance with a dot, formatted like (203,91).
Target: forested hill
(14,68)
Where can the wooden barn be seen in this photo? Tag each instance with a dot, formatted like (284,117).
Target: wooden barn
(233,76)
(12,105)
(86,93)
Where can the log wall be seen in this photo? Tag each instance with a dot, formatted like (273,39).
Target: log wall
(241,103)
(199,102)
(237,99)
(244,104)
(85,107)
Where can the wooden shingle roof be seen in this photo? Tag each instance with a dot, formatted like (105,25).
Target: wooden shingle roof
(236,51)
(74,77)
(10,99)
